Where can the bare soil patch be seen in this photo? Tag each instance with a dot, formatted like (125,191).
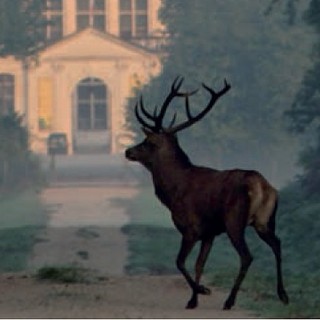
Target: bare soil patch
(115,297)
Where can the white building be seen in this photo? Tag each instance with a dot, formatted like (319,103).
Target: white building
(98,51)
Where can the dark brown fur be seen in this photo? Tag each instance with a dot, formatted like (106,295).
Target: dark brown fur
(205,203)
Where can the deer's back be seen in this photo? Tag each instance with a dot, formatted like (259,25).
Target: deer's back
(210,197)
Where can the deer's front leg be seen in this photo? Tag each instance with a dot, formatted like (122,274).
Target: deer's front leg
(185,249)
(201,260)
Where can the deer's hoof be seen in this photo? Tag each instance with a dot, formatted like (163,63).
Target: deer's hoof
(283,297)
(192,304)
(228,305)
(204,290)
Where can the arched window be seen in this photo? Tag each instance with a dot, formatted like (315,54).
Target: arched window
(6,93)
(91,105)
(91,13)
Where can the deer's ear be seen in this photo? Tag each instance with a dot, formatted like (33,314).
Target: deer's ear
(146,131)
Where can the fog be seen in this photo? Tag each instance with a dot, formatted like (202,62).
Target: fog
(86,168)
(85,199)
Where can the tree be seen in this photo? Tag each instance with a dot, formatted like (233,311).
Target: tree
(305,110)
(260,57)
(21,36)
(304,113)
(21,27)
(17,165)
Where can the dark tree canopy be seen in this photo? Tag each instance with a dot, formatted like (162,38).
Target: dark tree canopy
(305,110)
(21,27)
(304,113)
(18,166)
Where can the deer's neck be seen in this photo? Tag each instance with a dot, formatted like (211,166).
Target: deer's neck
(169,178)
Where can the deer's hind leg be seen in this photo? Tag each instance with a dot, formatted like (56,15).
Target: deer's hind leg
(268,235)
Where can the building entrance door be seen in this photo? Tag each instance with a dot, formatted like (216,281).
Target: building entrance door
(91,132)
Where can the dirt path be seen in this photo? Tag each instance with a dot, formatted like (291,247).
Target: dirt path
(116,297)
(84,229)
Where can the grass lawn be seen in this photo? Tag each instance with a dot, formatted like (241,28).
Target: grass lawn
(21,218)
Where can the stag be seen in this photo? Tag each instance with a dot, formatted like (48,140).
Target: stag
(205,202)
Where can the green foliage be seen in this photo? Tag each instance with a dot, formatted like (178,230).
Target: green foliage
(21,219)
(298,226)
(14,137)
(63,274)
(21,27)
(258,294)
(313,15)
(19,168)
(16,246)
(309,161)
(290,8)
(304,113)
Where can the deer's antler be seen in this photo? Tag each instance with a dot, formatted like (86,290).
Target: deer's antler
(193,119)
(157,118)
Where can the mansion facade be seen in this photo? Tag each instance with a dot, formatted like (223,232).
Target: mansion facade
(98,51)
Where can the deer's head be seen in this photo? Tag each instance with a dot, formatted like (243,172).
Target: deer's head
(161,142)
